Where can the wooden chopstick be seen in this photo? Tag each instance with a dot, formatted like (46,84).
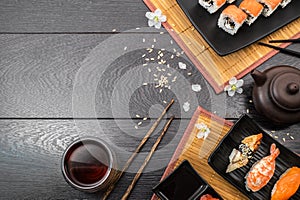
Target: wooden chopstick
(285,41)
(137,150)
(282,50)
(147,159)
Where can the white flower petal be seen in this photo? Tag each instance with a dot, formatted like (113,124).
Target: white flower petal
(151,23)
(200,135)
(157,12)
(157,25)
(206,134)
(227,88)
(150,15)
(240,83)
(231,93)
(182,65)
(162,18)
(186,106)
(232,81)
(200,126)
(196,87)
(239,90)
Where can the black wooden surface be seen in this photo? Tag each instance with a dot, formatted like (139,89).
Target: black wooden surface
(53,69)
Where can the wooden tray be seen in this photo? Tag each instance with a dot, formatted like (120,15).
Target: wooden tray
(216,69)
(197,151)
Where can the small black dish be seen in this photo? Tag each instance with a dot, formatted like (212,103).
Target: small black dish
(184,183)
(244,127)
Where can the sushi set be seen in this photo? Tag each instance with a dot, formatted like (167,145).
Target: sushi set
(244,155)
(270,171)
(232,25)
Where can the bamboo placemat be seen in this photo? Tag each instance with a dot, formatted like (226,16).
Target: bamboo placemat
(216,69)
(197,151)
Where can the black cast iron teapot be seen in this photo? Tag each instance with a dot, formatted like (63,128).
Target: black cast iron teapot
(276,94)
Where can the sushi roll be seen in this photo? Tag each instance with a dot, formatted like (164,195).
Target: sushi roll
(231,19)
(269,6)
(252,8)
(212,5)
(284,3)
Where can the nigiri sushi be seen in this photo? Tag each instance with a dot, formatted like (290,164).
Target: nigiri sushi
(240,158)
(231,19)
(269,6)
(212,5)
(262,171)
(252,8)
(287,185)
(284,3)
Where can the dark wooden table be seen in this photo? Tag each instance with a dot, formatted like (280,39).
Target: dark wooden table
(56,86)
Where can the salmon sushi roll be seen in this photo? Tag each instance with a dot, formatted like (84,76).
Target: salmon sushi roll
(212,5)
(269,6)
(284,3)
(252,8)
(231,19)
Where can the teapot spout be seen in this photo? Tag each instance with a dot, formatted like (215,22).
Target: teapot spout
(259,77)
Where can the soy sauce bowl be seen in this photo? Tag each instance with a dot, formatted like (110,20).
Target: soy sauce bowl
(89,165)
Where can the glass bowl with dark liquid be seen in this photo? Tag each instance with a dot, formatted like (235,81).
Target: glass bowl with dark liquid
(88,164)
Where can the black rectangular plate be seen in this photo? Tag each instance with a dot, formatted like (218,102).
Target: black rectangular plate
(173,189)
(224,43)
(244,127)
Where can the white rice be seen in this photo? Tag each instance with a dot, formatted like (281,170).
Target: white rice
(284,3)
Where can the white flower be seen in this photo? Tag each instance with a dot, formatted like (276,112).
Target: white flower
(196,87)
(155,18)
(186,106)
(234,86)
(203,130)
(182,65)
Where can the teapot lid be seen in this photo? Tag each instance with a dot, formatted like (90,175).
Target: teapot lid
(285,90)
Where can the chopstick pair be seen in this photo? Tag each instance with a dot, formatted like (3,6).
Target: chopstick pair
(138,149)
(283,50)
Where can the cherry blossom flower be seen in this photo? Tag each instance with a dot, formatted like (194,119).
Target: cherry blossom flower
(203,130)
(155,18)
(234,86)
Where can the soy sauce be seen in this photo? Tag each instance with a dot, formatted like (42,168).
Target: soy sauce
(86,163)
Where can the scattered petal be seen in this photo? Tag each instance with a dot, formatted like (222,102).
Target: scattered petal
(232,81)
(186,106)
(196,87)
(182,65)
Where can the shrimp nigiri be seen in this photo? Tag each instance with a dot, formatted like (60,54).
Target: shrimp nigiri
(262,171)
(287,185)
